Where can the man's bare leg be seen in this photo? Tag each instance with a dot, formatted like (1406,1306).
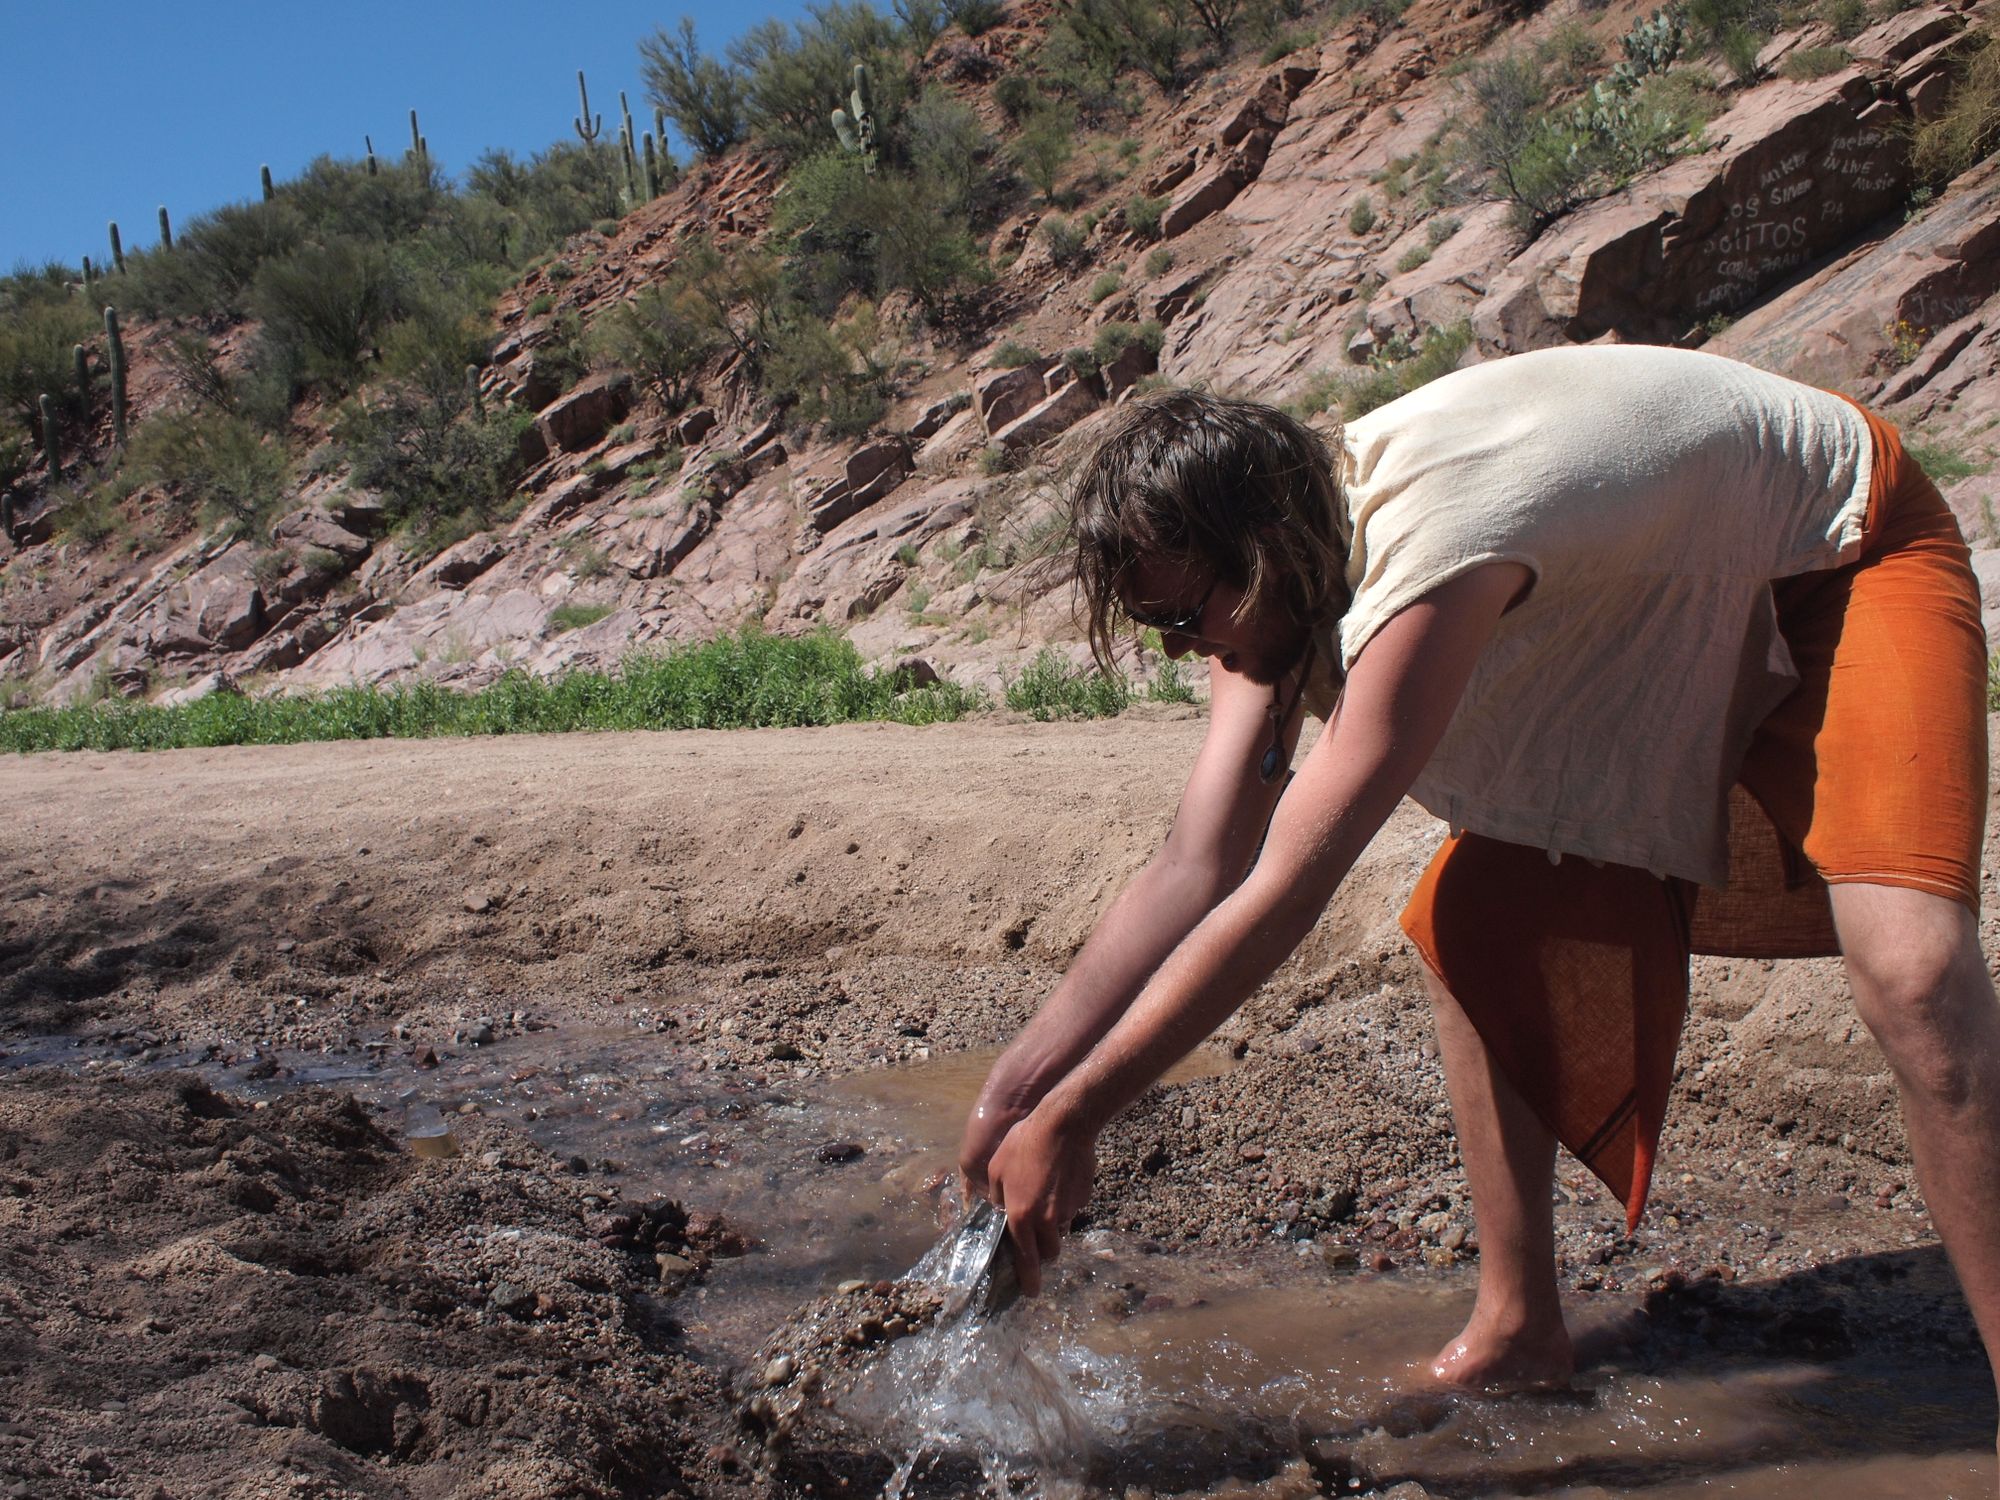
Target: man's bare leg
(1516,1334)
(1921,986)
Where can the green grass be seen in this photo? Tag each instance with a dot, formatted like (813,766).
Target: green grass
(1050,688)
(1396,372)
(575,616)
(1944,464)
(748,681)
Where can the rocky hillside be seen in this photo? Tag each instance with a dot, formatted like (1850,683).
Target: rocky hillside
(1305,229)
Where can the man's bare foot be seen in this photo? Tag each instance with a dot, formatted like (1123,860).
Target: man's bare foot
(1487,1355)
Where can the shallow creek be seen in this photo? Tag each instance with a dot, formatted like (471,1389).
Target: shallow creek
(1173,1370)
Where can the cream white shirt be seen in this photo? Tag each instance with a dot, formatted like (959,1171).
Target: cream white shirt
(1654,494)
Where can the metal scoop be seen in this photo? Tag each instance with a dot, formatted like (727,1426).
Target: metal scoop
(979,1268)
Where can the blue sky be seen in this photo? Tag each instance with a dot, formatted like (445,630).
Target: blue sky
(112,109)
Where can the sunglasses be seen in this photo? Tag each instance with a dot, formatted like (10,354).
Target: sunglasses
(1187,622)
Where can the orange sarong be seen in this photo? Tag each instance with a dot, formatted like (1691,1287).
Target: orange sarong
(1874,769)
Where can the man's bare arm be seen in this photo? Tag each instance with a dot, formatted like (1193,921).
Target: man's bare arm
(1400,698)
(1223,812)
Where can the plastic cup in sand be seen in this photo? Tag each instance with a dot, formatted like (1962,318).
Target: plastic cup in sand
(428,1134)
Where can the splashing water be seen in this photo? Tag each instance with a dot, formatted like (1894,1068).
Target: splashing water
(982,1383)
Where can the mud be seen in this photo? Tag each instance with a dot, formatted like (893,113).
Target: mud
(779,933)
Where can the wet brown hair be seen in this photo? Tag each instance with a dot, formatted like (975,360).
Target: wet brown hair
(1234,487)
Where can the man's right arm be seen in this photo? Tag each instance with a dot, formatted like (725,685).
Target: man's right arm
(1223,814)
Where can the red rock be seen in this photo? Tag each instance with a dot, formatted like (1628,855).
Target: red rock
(315,528)
(1003,395)
(576,421)
(694,426)
(1203,195)
(1052,418)
(461,562)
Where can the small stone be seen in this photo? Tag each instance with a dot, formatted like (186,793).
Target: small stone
(264,1364)
(779,1370)
(1454,1238)
(833,1153)
(426,1057)
(482,1033)
(1381,1261)
(672,1267)
(478,902)
(1438,1256)
(1251,1153)
(492,1159)
(287,945)
(1188,1117)
(849,1288)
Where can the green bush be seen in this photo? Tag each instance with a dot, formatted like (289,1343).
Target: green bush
(323,307)
(1808,63)
(1361,218)
(1396,371)
(948,150)
(749,681)
(1969,129)
(1113,339)
(790,78)
(1012,355)
(213,462)
(1016,95)
(1068,242)
(1043,147)
(1412,258)
(567,617)
(1106,285)
(975,17)
(1440,230)
(1170,683)
(1143,214)
(1050,688)
(1159,262)
(663,338)
(1538,162)
(702,95)
(37,336)
(1739,47)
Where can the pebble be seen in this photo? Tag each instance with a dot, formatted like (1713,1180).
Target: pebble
(265,1363)
(1252,1153)
(482,1033)
(491,1160)
(1188,1117)
(673,1266)
(849,1288)
(833,1153)
(779,1370)
(1381,1260)
(1339,1258)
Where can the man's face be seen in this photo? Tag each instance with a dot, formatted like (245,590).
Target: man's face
(1262,647)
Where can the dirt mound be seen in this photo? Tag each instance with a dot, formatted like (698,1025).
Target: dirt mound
(197,1288)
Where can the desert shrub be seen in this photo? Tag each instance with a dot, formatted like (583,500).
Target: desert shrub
(1170,683)
(1440,230)
(1043,148)
(215,463)
(1154,37)
(975,17)
(215,260)
(1845,18)
(1969,129)
(37,336)
(1570,51)
(922,22)
(847,230)
(662,338)
(1536,160)
(323,307)
(1068,242)
(1159,262)
(701,94)
(552,195)
(1082,363)
(1395,371)
(748,681)
(566,617)
(1807,63)
(1012,355)
(1143,214)
(1113,339)
(1412,258)
(948,149)
(791,77)
(1106,285)
(1283,44)
(1361,218)
(1049,687)
(1016,95)
(436,461)
(836,374)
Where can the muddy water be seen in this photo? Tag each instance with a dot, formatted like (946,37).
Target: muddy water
(1169,1371)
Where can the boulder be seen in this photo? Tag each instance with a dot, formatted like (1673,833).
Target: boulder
(1051,419)
(316,528)
(871,464)
(1134,363)
(219,608)
(933,417)
(1798,172)
(855,568)
(460,563)
(1205,194)
(578,420)
(1002,395)
(694,426)
(1933,272)
(653,546)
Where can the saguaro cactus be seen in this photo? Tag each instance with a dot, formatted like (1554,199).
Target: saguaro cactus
(51,439)
(631,170)
(474,390)
(416,138)
(89,273)
(166,229)
(82,357)
(264,176)
(373,166)
(114,345)
(625,114)
(117,249)
(587,129)
(856,130)
(652,169)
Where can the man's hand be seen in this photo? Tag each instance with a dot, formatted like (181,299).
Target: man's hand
(1041,1176)
(994,1114)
